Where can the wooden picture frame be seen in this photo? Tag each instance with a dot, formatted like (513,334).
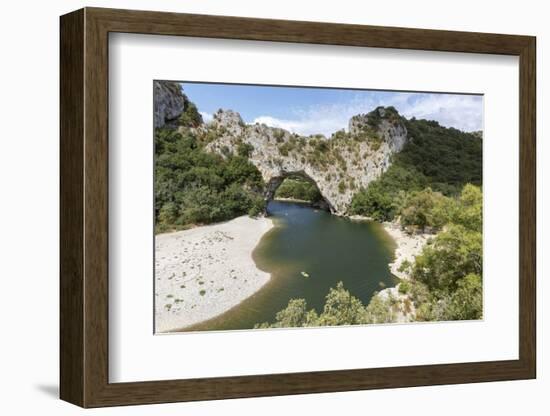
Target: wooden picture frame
(84,207)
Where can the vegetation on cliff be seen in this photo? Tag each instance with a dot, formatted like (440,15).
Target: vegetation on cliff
(435,157)
(339,165)
(194,186)
(446,278)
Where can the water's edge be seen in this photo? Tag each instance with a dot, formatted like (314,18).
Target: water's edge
(285,282)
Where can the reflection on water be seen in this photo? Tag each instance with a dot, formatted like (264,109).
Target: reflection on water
(308,252)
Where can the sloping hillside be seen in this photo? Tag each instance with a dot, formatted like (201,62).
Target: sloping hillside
(339,165)
(359,171)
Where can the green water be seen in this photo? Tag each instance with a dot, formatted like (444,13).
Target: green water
(328,248)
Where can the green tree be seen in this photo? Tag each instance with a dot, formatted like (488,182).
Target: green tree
(470,208)
(194,186)
(341,308)
(297,188)
(443,159)
(426,208)
(447,157)
(245,149)
(294,315)
(374,202)
(239,170)
(467,301)
(455,253)
(168,215)
(190,116)
(257,206)
(379,310)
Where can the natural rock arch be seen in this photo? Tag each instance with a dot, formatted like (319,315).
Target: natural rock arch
(273,184)
(339,166)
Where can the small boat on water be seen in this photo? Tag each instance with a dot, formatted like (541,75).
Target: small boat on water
(304,274)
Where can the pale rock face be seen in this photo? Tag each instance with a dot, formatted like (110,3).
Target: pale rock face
(278,153)
(388,125)
(230,120)
(169,103)
(402,309)
(339,165)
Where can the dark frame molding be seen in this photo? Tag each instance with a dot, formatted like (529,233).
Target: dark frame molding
(84,207)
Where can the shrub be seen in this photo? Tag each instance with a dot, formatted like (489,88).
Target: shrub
(373,202)
(470,208)
(297,188)
(245,149)
(193,186)
(168,213)
(294,315)
(454,253)
(404,287)
(225,150)
(341,308)
(467,301)
(258,206)
(342,186)
(444,155)
(190,116)
(379,310)
(375,144)
(279,135)
(426,208)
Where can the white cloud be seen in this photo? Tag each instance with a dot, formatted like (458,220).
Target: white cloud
(206,117)
(304,126)
(464,112)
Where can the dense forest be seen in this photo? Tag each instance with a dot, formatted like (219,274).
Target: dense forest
(194,186)
(439,158)
(298,189)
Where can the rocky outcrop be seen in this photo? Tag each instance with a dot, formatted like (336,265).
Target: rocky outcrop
(339,165)
(169,103)
(401,306)
(385,122)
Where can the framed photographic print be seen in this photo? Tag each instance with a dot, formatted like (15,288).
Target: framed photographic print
(255,207)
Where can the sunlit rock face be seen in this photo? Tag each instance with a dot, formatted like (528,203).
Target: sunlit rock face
(169,103)
(339,165)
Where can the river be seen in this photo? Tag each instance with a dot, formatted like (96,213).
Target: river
(308,252)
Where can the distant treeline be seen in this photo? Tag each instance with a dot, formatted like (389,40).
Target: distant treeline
(437,158)
(297,188)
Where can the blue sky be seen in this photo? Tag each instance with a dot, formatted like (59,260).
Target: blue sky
(322,110)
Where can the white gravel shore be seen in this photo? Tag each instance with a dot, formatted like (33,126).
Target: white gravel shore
(203,272)
(408,246)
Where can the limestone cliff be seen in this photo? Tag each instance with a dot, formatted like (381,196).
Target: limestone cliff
(338,165)
(169,103)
